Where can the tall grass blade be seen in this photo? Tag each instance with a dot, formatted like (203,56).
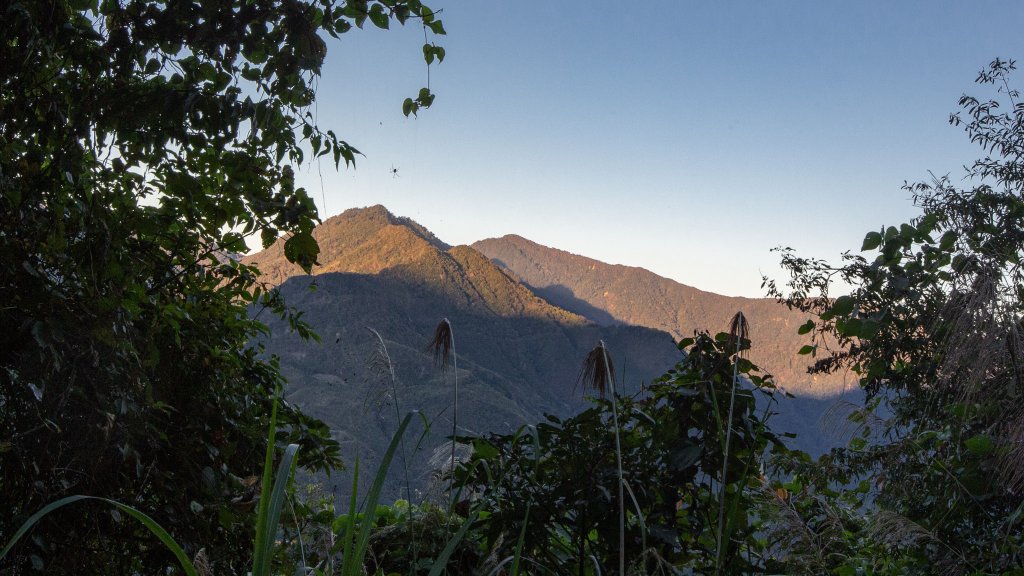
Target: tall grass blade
(260,559)
(354,559)
(146,521)
(639,516)
(441,562)
(273,517)
(520,542)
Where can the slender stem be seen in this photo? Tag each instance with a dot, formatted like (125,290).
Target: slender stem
(455,420)
(725,457)
(618,465)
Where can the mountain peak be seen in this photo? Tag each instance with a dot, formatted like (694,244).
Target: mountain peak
(373,241)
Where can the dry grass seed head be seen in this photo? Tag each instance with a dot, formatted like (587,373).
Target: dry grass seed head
(896,530)
(739,330)
(597,372)
(381,373)
(844,420)
(1011,463)
(804,545)
(976,341)
(442,344)
(202,563)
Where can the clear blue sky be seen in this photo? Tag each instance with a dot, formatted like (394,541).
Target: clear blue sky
(688,138)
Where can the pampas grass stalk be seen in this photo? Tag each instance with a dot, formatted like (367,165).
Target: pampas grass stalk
(739,331)
(443,348)
(379,364)
(599,374)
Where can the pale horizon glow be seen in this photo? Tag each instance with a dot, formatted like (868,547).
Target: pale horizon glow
(688,139)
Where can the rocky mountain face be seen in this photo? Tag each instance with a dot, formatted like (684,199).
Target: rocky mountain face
(610,294)
(518,356)
(524,318)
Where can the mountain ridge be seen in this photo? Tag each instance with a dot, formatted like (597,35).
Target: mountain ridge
(615,293)
(518,355)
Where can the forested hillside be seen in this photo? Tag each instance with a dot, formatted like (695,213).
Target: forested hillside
(611,293)
(518,356)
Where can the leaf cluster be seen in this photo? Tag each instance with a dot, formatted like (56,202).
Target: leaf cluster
(560,476)
(141,143)
(931,328)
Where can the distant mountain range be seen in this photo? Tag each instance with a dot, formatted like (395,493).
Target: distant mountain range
(609,294)
(522,330)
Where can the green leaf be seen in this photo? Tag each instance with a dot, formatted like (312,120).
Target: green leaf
(948,240)
(683,457)
(871,241)
(807,327)
(264,540)
(519,543)
(379,17)
(408,107)
(842,306)
(806,349)
(979,445)
(437,28)
(302,249)
(484,449)
(849,327)
(268,236)
(927,223)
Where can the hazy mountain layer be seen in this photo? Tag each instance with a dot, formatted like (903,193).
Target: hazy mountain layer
(610,294)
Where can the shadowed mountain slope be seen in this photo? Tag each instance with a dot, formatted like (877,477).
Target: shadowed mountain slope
(518,355)
(609,294)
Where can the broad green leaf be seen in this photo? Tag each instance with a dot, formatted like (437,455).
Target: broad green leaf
(871,241)
(302,249)
(379,17)
(807,327)
(842,306)
(980,444)
(948,240)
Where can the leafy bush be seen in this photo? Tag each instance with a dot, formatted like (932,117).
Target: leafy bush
(560,479)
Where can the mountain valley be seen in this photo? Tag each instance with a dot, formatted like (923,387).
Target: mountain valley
(524,317)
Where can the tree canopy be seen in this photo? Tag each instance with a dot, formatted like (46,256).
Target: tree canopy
(141,142)
(932,328)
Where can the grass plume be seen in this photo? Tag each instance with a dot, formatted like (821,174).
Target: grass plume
(598,374)
(598,371)
(443,348)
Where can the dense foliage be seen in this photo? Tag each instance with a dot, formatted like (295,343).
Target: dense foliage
(932,327)
(140,143)
(559,478)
